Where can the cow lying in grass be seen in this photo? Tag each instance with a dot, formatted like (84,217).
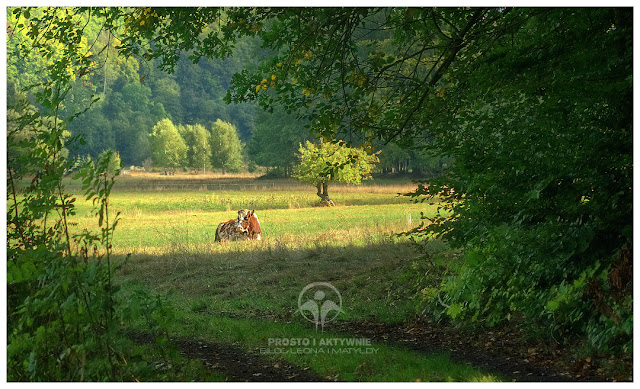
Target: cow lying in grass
(245,227)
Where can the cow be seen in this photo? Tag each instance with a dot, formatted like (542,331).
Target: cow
(245,227)
(234,229)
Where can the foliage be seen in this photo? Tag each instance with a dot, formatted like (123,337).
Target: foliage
(113,162)
(540,192)
(168,149)
(275,140)
(336,162)
(226,148)
(64,313)
(134,94)
(327,162)
(197,140)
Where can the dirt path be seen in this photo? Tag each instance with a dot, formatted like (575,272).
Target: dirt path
(499,351)
(502,351)
(237,364)
(240,365)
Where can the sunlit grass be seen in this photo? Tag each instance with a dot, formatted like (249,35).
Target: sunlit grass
(166,221)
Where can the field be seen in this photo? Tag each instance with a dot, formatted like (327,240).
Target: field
(245,294)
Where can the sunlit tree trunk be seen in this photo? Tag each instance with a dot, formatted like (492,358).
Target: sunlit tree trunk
(323,193)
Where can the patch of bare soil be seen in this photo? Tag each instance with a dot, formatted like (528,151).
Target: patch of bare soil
(501,351)
(237,364)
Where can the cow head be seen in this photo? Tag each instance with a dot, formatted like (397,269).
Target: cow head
(254,225)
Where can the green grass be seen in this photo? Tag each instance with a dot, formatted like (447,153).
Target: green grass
(246,292)
(210,201)
(172,221)
(182,368)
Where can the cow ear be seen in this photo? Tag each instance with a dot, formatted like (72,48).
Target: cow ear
(253,211)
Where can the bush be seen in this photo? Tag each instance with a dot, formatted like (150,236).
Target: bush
(65,315)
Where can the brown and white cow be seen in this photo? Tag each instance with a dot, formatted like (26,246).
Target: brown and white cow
(245,227)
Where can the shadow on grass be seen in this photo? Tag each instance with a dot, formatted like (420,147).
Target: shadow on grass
(246,293)
(256,280)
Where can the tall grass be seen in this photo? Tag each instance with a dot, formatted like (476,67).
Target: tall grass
(236,182)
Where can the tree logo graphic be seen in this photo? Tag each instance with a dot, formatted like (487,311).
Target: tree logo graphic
(320,303)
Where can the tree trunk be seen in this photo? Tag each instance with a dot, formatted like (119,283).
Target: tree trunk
(323,193)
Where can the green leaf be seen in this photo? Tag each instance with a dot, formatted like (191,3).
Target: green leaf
(454,310)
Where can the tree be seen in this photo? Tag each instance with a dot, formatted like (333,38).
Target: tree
(541,188)
(333,162)
(226,148)
(275,141)
(168,149)
(167,93)
(65,317)
(394,159)
(112,163)
(197,139)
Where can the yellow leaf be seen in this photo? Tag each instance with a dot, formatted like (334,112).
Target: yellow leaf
(258,88)
(142,22)
(264,81)
(273,76)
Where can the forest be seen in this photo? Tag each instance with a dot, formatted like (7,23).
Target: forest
(134,96)
(506,243)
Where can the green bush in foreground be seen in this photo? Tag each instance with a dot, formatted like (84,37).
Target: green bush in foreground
(65,315)
(540,192)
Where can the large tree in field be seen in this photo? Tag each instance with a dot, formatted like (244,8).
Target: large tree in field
(332,162)
(168,149)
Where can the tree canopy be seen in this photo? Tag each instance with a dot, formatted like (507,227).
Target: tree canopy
(333,162)
(167,146)
(226,147)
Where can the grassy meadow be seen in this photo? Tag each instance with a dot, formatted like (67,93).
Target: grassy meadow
(245,293)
